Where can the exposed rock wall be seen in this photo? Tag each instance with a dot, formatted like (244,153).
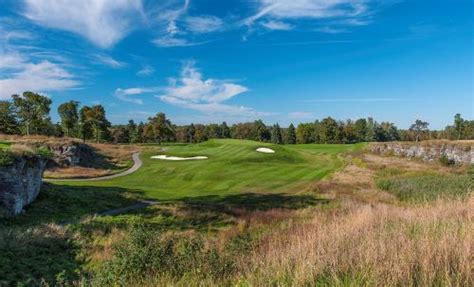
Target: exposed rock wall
(73,154)
(460,153)
(20,183)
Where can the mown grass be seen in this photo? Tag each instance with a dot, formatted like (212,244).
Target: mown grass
(233,167)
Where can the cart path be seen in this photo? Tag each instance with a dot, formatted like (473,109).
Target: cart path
(137,163)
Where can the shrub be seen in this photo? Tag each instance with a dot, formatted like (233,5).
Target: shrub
(6,157)
(444,160)
(147,253)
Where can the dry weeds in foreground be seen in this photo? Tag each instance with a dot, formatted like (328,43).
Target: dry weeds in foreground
(378,244)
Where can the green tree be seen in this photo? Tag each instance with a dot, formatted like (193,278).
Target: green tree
(458,125)
(305,133)
(162,127)
(8,122)
(33,109)
(419,127)
(69,116)
(329,132)
(360,130)
(132,132)
(276,137)
(291,135)
(225,131)
(261,131)
(86,131)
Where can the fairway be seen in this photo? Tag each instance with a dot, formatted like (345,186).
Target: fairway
(233,167)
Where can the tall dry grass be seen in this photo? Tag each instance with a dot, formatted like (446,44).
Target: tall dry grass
(380,245)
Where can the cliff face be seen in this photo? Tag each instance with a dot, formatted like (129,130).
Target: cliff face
(459,153)
(20,183)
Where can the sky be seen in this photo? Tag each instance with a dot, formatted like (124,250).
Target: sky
(285,61)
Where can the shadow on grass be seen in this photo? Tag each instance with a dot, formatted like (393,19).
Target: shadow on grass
(251,202)
(35,256)
(63,203)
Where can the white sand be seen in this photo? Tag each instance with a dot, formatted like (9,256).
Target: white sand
(265,150)
(176,158)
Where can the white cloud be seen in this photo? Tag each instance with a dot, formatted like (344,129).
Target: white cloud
(103,22)
(11,60)
(277,25)
(37,77)
(169,41)
(146,70)
(204,24)
(300,115)
(271,13)
(126,95)
(193,92)
(109,61)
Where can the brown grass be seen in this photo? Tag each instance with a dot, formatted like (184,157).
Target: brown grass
(371,245)
(76,172)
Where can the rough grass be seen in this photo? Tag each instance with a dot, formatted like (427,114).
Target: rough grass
(420,188)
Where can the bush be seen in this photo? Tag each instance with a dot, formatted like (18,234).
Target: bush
(6,157)
(147,254)
(444,160)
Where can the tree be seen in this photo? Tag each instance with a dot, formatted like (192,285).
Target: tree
(33,109)
(69,116)
(360,130)
(458,125)
(85,130)
(291,135)
(261,131)
(121,135)
(162,127)
(132,132)
(276,134)
(225,131)
(8,122)
(329,132)
(190,131)
(419,127)
(305,133)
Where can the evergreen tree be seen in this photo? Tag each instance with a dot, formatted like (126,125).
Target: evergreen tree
(276,135)
(8,122)
(291,135)
(225,131)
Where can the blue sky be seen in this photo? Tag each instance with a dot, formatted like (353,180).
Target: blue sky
(237,60)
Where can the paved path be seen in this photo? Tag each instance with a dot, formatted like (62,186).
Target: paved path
(137,163)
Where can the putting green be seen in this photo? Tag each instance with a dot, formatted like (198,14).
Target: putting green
(233,167)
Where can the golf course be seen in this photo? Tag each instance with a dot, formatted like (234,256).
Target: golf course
(232,167)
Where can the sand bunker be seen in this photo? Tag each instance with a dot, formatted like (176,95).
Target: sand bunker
(265,150)
(176,158)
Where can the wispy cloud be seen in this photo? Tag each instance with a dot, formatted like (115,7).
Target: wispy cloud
(300,115)
(103,22)
(43,76)
(192,91)
(358,100)
(146,70)
(109,61)
(129,95)
(286,14)
(277,25)
(204,24)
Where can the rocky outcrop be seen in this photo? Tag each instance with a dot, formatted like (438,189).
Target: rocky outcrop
(20,183)
(73,154)
(458,153)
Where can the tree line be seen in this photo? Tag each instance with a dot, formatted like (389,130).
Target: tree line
(29,114)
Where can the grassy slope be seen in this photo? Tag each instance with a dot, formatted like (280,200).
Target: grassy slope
(233,167)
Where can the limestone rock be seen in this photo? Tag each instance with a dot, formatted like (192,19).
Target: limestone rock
(20,183)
